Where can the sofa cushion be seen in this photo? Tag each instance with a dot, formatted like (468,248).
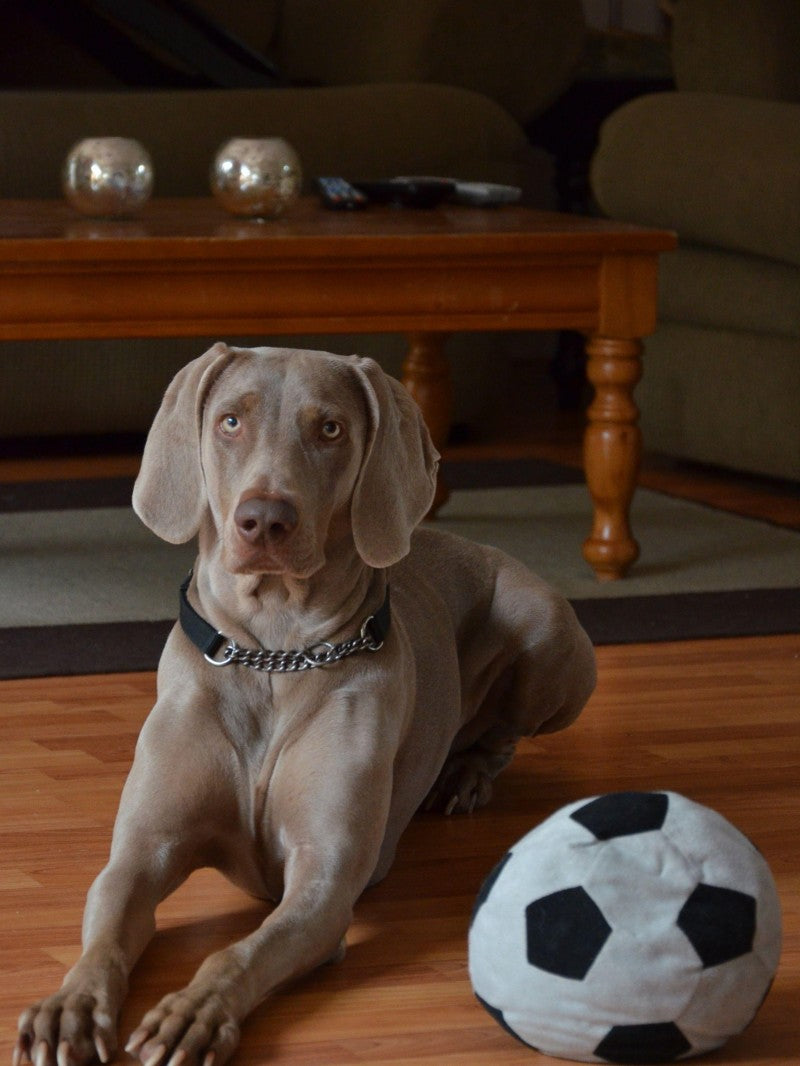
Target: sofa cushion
(721,170)
(724,397)
(729,290)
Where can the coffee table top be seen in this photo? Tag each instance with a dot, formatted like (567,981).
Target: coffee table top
(186,268)
(183,227)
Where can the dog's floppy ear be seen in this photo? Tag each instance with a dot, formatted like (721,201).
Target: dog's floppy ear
(397,480)
(169,495)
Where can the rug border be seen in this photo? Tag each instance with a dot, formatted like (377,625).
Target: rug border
(682,616)
(70,651)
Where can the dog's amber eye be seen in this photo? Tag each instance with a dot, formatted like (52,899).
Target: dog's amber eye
(331,430)
(229,425)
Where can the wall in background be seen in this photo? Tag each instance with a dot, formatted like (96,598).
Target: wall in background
(634,16)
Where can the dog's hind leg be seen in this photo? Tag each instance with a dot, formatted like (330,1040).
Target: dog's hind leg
(544,672)
(465,781)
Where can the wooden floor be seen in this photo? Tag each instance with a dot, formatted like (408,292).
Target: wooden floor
(716,720)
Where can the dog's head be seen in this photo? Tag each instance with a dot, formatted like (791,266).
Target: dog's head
(281,450)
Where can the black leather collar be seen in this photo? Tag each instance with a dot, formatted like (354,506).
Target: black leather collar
(209,640)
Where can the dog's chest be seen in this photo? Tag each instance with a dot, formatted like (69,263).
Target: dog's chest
(261,718)
(249,718)
(247,713)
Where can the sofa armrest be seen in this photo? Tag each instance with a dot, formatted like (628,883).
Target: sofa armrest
(721,170)
(521,53)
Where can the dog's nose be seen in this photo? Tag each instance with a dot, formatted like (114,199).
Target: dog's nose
(265,519)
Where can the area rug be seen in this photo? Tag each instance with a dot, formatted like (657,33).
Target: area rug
(87,589)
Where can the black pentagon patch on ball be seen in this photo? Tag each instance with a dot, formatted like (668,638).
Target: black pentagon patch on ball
(659,1042)
(621,814)
(719,922)
(565,932)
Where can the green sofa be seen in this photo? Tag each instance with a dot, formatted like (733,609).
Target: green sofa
(717,160)
(375,89)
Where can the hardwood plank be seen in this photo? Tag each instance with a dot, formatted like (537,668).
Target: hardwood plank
(717,720)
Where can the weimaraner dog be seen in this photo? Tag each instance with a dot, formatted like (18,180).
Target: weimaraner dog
(292,752)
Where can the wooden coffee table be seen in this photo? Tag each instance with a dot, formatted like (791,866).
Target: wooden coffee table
(185,268)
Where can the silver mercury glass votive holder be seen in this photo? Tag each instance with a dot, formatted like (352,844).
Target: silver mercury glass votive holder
(107,177)
(256,177)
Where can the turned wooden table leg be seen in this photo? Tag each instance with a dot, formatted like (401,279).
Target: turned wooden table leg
(612,453)
(426,375)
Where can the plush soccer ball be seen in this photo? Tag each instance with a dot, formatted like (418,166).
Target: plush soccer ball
(633,927)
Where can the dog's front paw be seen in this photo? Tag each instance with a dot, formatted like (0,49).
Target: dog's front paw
(67,1029)
(192,1026)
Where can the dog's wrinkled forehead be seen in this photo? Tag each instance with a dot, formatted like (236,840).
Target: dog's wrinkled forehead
(280,382)
(251,374)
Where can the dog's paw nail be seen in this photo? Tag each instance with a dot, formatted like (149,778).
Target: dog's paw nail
(155,1057)
(63,1054)
(136,1040)
(178,1059)
(210,1058)
(42,1054)
(101,1048)
(21,1052)
(451,806)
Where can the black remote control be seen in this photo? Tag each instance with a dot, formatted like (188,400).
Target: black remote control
(408,192)
(340,195)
